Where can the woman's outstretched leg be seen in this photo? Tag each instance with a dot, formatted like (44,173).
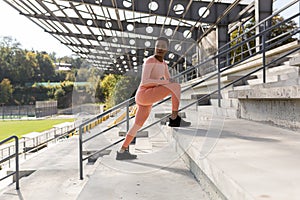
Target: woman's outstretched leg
(129,137)
(140,118)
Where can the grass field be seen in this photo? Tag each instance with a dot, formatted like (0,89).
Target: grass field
(21,127)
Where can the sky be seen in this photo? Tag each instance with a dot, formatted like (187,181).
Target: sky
(32,37)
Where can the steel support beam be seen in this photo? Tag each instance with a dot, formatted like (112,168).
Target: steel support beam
(139,28)
(263,9)
(193,14)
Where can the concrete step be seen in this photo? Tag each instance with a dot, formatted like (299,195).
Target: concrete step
(281,92)
(274,78)
(226,103)
(283,69)
(278,72)
(243,159)
(55,175)
(151,176)
(260,81)
(282,83)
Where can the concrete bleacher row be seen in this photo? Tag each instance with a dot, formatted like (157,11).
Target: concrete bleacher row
(248,148)
(282,84)
(232,158)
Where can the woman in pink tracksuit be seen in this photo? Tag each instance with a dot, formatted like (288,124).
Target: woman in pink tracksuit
(155,85)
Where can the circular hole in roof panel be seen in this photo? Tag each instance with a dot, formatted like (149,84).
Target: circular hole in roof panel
(115,40)
(89,22)
(203,12)
(100,37)
(106,48)
(133,51)
(134,58)
(124,62)
(119,50)
(178,9)
(108,24)
(122,57)
(153,5)
(171,55)
(149,29)
(130,27)
(127,3)
(177,47)
(187,34)
(131,41)
(168,32)
(147,43)
(134,63)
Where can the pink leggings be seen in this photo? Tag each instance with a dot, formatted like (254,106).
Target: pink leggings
(146,97)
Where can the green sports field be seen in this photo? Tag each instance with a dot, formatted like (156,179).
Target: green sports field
(21,127)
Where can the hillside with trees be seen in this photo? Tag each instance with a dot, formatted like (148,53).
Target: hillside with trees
(30,76)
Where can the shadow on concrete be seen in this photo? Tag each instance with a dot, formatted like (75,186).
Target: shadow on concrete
(193,132)
(14,194)
(180,171)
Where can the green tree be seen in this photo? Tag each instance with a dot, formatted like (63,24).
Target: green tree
(99,93)
(23,66)
(6,90)
(108,85)
(8,46)
(125,88)
(45,70)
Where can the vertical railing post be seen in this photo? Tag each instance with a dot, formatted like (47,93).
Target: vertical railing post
(9,155)
(24,147)
(127,116)
(264,52)
(80,154)
(219,87)
(227,59)
(17,162)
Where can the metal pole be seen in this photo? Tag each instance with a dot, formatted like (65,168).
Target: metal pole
(9,155)
(127,116)
(264,53)
(80,154)
(219,84)
(17,162)
(24,150)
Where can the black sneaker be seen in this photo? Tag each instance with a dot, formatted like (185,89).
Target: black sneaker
(178,122)
(126,155)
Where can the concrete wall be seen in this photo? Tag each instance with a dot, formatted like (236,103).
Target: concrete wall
(284,113)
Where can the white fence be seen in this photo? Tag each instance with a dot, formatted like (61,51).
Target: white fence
(35,141)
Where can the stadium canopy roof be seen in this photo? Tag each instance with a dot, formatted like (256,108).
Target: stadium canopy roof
(116,35)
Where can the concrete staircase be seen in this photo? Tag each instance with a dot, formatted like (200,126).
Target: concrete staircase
(224,155)
(241,159)
(277,101)
(248,148)
(159,172)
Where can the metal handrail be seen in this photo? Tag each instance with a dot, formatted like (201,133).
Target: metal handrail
(211,58)
(215,91)
(188,71)
(215,56)
(263,47)
(16,155)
